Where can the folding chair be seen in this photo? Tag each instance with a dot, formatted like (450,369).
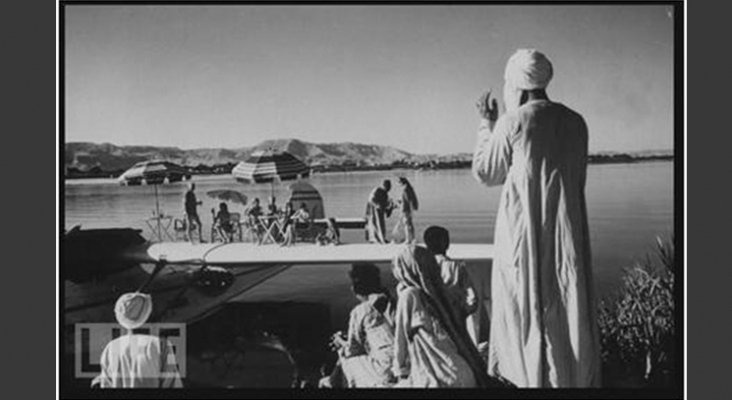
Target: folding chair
(179,228)
(236,225)
(236,229)
(305,231)
(251,229)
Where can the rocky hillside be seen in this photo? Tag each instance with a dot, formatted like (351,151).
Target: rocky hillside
(108,157)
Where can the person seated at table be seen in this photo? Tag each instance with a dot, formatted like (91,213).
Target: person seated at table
(252,213)
(301,216)
(254,210)
(223,224)
(331,235)
(272,209)
(457,281)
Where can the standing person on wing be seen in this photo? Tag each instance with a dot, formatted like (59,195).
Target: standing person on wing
(408,204)
(191,208)
(544,329)
(379,207)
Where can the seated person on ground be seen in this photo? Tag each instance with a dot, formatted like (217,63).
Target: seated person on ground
(366,352)
(331,235)
(431,346)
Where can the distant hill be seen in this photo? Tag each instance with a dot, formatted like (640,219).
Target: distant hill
(83,156)
(91,159)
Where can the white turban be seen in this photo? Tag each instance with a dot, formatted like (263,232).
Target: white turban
(528,69)
(133,309)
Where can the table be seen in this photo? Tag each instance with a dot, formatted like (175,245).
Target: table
(342,223)
(160,227)
(272,228)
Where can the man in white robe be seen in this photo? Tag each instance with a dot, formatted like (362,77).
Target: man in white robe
(544,330)
(135,360)
(378,208)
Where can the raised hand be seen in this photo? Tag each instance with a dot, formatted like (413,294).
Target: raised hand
(337,341)
(487,107)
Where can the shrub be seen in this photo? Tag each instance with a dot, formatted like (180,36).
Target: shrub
(637,326)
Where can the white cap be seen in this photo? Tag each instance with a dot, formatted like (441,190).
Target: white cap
(133,309)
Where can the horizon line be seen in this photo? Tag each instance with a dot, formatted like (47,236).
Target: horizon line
(673,150)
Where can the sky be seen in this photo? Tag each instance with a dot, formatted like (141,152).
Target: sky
(402,76)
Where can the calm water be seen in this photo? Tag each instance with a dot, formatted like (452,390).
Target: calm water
(628,206)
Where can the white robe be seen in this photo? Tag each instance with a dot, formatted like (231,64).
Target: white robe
(544,329)
(138,361)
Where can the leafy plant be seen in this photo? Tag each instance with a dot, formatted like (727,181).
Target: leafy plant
(637,327)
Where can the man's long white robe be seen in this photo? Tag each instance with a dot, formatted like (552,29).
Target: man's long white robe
(544,329)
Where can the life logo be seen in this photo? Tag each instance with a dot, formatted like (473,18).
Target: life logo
(90,340)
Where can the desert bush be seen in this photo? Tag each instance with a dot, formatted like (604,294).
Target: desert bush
(637,326)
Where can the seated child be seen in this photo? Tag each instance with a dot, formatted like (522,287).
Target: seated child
(455,277)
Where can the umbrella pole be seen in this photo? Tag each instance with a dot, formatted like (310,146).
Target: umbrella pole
(157,205)
(157,212)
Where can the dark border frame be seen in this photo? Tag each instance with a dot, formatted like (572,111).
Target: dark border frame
(679,203)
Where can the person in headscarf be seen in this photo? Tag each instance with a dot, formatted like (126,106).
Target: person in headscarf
(431,346)
(378,207)
(135,360)
(366,352)
(408,204)
(544,329)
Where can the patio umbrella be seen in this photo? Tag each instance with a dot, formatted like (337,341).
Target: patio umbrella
(303,192)
(228,195)
(154,173)
(268,166)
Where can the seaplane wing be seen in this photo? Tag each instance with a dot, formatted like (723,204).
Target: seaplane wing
(188,280)
(177,295)
(241,254)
